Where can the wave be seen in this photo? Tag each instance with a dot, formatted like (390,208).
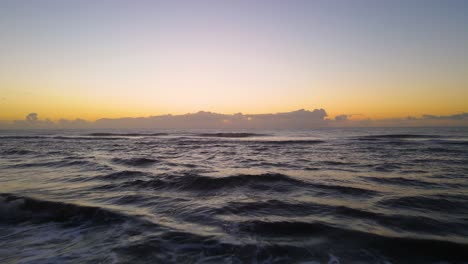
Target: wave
(337,163)
(230,135)
(23,137)
(434,203)
(19,152)
(127,134)
(340,239)
(61,137)
(197,183)
(344,190)
(290,142)
(16,209)
(453,142)
(403,182)
(135,162)
(182,247)
(57,164)
(275,182)
(259,143)
(292,209)
(396,222)
(443,150)
(299,209)
(372,248)
(86,138)
(204,182)
(402,248)
(387,167)
(448,160)
(194,182)
(397,136)
(301,229)
(122,175)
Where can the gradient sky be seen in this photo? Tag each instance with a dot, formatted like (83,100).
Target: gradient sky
(93,59)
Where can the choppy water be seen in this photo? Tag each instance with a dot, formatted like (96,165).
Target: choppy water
(319,196)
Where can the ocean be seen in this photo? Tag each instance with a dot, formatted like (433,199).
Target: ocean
(351,195)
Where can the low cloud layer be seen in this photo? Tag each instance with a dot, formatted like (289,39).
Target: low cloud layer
(462,116)
(340,118)
(424,120)
(296,119)
(300,119)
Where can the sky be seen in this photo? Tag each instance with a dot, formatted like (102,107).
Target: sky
(109,59)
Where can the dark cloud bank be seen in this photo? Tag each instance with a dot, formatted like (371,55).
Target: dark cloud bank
(299,119)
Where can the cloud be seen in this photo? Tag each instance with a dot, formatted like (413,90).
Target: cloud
(300,119)
(32,121)
(202,119)
(296,119)
(77,123)
(461,116)
(32,117)
(341,118)
(424,120)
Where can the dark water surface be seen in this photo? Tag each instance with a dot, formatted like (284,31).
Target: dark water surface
(319,196)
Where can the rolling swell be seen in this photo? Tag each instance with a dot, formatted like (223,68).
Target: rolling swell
(58,164)
(135,162)
(127,134)
(57,138)
(230,135)
(404,182)
(17,209)
(291,142)
(194,182)
(403,248)
(262,182)
(85,138)
(395,222)
(454,142)
(282,208)
(19,152)
(23,137)
(434,203)
(398,136)
(122,175)
(204,182)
